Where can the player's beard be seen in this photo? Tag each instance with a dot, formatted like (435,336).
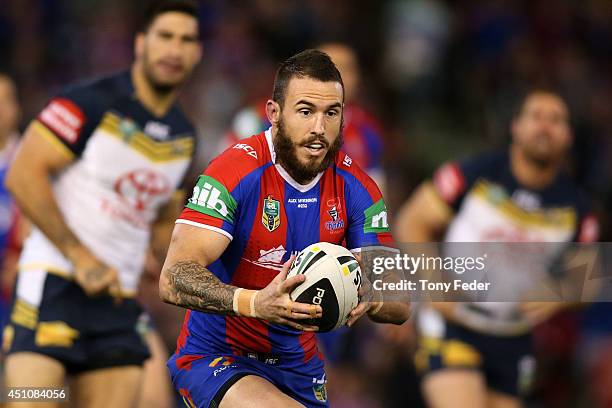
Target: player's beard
(160,88)
(542,158)
(286,155)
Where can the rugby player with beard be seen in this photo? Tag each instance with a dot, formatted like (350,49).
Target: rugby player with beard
(244,343)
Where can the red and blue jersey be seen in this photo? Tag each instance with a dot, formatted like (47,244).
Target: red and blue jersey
(268,216)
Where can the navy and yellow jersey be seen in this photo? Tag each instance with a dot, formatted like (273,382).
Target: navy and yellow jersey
(127,163)
(75,115)
(491,206)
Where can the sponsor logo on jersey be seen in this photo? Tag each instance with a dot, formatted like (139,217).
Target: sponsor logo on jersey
(270,216)
(212,198)
(527,200)
(319,388)
(336,222)
(333,212)
(223,361)
(347,161)
(221,369)
(157,131)
(449,182)
(142,188)
(589,229)
(64,118)
(376,218)
(270,258)
(247,148)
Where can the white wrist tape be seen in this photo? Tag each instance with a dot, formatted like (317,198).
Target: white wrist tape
(244,302)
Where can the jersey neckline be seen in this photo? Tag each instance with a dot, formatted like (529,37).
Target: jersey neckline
(302,188)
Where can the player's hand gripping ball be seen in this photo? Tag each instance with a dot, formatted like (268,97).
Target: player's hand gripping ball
(333,279)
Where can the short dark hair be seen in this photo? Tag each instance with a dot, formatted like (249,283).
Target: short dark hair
(544,89)
(310,63)
(157,7)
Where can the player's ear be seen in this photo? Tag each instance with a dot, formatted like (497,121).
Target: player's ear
(273,111)
(514,128)
(139,45)
(200,52)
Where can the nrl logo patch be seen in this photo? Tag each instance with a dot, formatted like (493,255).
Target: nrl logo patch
(270,216)
(128,128)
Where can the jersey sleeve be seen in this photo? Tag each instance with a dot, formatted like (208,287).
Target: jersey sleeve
(453,179)
(69,118)
(216,198)
(587,225)
(367,215)
(588,229)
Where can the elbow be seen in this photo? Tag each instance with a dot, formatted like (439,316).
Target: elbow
(165,289)
(17,180)
(402,314)
(10,182)
(393,313)
(405,314)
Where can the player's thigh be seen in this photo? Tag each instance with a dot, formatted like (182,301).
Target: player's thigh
(156,390)
(500,400)
(455,388)
(26,369)
(252,392)
(107,387)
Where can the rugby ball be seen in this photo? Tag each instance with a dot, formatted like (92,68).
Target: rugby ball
(333,278)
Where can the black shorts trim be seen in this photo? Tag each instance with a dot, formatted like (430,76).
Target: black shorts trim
(216,401)
(124,359)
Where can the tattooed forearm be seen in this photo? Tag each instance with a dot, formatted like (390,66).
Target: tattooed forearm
(193,286)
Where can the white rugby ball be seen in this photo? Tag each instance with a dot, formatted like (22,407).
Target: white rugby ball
(333,278)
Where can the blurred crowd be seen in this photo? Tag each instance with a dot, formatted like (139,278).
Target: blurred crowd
(442,77)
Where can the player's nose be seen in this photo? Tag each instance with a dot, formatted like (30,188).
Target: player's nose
(319,125)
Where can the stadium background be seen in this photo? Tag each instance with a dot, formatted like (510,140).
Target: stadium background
(442,77)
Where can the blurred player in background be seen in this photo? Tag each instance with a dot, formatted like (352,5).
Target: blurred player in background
(255,205)
(11,223)
(363,139)
(96,173)
(479,354)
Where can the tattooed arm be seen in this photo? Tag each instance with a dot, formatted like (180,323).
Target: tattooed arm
(185,281)
(193,286)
